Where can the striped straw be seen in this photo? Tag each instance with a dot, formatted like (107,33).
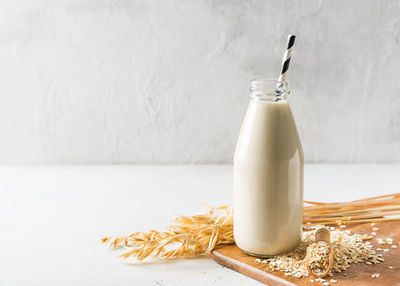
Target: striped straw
(286,58)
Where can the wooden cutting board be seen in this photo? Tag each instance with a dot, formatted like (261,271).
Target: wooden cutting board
(358,274)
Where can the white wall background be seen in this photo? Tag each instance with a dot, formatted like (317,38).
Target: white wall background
(124,81)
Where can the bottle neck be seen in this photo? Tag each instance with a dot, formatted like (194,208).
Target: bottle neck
(268,89)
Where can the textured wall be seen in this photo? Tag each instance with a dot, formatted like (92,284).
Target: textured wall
(109,81)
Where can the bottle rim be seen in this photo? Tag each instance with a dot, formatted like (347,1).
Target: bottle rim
(269,89)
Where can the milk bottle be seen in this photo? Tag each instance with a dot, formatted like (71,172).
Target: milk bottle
(268,174)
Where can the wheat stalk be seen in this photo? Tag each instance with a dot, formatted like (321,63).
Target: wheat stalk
(381,208)
(200,234)
(189,236)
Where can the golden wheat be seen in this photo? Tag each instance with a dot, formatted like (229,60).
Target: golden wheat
(188,236)
(200,234)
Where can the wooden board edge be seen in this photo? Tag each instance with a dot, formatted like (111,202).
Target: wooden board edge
(243,268)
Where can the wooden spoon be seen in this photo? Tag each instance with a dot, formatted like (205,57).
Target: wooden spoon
(322,234)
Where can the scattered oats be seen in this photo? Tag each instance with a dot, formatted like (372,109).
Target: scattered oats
(333,281)
(258,260)
(386,250)
(326,283)
(373,233)
(344,274)
(342,226)
(348,249)
(381,259)
(312,281)
(375,275)
(379,255)
(389,240)
(379,249)
(372,224)
(390,267)
(380,240)
(375,229)
(394,246)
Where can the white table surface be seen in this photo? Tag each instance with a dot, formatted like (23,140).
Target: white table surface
(52,217)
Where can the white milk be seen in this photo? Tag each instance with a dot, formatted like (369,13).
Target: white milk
(268,175)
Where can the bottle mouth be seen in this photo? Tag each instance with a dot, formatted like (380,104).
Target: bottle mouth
(269,89)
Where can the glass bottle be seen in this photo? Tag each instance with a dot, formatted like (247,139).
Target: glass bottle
(268,174)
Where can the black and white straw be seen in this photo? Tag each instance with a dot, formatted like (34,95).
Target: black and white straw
(286,58)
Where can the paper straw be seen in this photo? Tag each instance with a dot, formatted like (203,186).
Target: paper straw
(286,58)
